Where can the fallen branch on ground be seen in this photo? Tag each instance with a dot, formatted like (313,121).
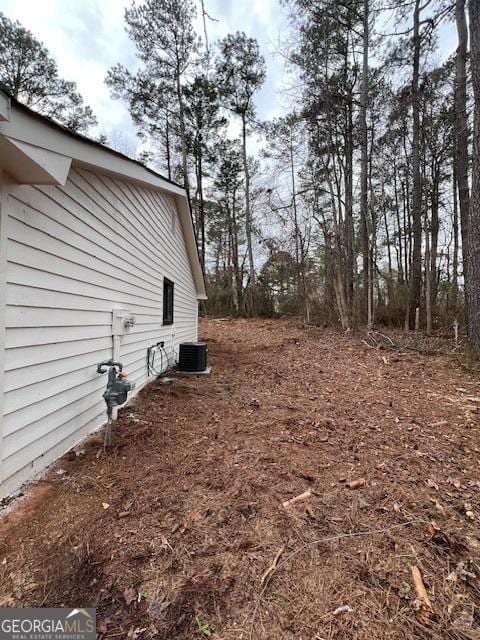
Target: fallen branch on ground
(356,484)
(273,566)
(303,496)
(420,590)
(377,340)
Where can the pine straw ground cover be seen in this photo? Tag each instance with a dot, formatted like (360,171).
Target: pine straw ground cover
(180,531)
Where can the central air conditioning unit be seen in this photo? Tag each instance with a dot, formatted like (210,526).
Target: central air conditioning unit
(193,357)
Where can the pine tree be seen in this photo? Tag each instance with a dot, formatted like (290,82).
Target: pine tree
(165,39)
(30,74)
(241,72)
(473,246)
(203,123)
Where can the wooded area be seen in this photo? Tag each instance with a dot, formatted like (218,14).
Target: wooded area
(361,205)
(360,202)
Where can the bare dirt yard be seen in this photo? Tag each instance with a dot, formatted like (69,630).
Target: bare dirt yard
(181,530)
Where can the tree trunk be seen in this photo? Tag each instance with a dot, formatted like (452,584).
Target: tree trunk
(201,205)
(461,146)
(248,213)
(167,147)
(455,238)
(389,255)
(183,135)
(348,226)
(435,226)
(295,219)
(401,276)
(339,288)
(236,266)
(365,307)
(428,279)
(233,263)
(473,248)
(329,292)
(301,291)
(416,268)
(406,231)
(372,267)
(338,260)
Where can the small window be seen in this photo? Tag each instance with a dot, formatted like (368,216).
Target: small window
(167,301)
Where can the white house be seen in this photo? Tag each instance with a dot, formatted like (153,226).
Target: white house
(85,233)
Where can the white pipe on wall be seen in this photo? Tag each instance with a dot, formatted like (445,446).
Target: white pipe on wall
(116,358)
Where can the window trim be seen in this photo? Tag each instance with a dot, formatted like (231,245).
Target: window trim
(168,318)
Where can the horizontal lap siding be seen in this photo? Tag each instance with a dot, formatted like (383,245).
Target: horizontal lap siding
(74,254)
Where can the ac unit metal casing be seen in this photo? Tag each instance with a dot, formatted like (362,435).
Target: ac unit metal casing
(192,356)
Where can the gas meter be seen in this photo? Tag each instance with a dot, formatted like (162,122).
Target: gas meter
(116,392)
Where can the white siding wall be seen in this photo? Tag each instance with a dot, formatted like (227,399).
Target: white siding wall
(75,253)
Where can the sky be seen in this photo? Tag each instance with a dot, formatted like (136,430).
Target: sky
(87,37)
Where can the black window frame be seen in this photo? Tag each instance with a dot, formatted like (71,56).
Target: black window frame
(168,301)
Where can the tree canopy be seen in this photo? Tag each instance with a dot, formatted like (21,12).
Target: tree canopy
(30,74)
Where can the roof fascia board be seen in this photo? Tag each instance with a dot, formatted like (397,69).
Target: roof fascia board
(192,251)
(25,127)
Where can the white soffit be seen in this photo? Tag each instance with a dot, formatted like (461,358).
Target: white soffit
(32,166)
